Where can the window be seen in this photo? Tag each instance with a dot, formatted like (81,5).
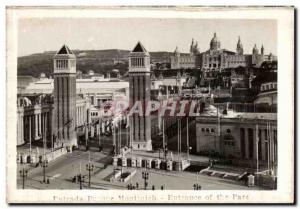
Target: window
(64,63)
(229,142)
(203,129)
(72,63)
(142,61)
(212,130)
(228,138)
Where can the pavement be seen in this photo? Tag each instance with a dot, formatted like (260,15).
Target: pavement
(61,171)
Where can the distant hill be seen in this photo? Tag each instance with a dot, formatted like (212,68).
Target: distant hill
(100,61)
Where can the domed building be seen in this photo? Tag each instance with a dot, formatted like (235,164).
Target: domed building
(216,59)
(185,60)
(215,44)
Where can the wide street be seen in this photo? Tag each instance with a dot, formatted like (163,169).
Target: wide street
(61,171)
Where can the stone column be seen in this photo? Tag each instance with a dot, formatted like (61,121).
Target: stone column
(272,156)
(19,130)
(46,126)
(22,128)
(255,147)
(77,116)
(95,100)
(36,126)
(43,129)
(92,131)
(263,143)
(246,144)
(98,129)
(42,126)
(159,123)
(86,132)
(82,116)
(102,128)
(40,122)
(80,110)
(80,113)
(107,125)
(29,129)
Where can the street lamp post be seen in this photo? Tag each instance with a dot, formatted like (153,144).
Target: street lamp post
(89,168)
(197,186)
(99,136)
(80,178)
(145,176)
(187,138)
(86,136)
(44,164)
(165,151)
(23,174)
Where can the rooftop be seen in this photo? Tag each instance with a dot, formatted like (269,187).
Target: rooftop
(46,85)
(211,111)
(139,48)
(64,50)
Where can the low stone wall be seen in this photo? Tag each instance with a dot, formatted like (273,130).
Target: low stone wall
(34,157)
(152,163)
(115,176)
(129,176)
(266,181)
(55,154)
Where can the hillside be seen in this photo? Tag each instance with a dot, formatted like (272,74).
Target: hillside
(100,61)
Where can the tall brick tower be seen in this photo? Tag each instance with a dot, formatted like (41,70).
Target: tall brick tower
(139,90)
(65,97)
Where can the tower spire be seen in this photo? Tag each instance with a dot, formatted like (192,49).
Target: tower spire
(262,50)
(192,46)
(254,50)
(239,47)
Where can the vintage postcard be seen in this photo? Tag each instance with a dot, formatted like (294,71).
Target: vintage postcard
(150,105)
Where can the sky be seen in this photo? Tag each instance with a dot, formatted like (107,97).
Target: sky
(36,35)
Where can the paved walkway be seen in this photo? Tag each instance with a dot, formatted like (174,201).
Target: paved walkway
(61,171)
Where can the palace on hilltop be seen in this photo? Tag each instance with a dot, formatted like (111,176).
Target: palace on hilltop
(216,59)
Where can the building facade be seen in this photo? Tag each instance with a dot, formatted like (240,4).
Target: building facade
(241,137)
(184,60)
(215,59)
(34,120)
(139,91)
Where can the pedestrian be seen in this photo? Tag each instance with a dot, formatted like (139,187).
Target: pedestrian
(137,185)
(162,187)
(153,187)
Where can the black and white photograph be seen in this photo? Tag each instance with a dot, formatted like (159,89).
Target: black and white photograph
(153,108)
